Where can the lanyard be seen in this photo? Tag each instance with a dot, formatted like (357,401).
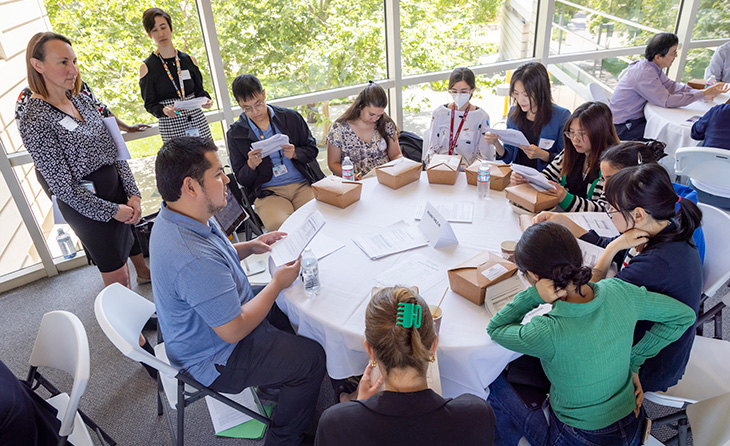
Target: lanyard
(179,75)
(452,137)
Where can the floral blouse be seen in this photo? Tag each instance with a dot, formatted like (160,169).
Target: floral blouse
(364,156)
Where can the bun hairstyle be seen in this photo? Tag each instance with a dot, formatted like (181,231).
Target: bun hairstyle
(633,153)
(648,186)
(371,96)
(395,346)
(550,251)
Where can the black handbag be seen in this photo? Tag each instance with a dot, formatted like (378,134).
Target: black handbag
(142,232)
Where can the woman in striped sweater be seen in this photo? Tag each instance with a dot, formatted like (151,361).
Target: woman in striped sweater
(575,172)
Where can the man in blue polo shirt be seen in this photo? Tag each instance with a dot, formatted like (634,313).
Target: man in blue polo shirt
(214,326)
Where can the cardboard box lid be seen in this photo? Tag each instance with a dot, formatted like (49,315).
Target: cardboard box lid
(445,162)
(498,169)
(485,269)
(527,192)
(336,185)
(398,166)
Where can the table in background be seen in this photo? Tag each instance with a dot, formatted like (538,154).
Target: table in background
(670,126)
(468,359)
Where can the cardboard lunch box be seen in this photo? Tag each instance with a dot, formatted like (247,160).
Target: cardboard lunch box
(499,175)
(398,172)
(472,277)
(336,191)
(697,84)
(443,169)
(530,198)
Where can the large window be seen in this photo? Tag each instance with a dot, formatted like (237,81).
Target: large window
(713,20)
(16,246)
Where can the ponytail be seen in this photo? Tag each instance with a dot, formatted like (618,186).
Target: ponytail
(689,218)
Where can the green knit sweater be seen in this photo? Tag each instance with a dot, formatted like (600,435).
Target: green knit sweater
(586,349)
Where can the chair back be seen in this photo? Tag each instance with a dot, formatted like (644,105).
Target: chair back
(709,421)
(715,227)
(122,314)
(597,93)
(709,166)
(707,372)
(62,344)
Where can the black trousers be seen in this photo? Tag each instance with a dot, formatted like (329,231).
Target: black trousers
(277,359)
(631,130)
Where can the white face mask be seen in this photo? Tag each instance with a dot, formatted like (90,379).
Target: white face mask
(460,99)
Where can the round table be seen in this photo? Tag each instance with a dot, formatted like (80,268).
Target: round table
(468,359)
(670,126)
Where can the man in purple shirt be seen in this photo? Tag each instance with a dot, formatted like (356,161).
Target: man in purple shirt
(644,81)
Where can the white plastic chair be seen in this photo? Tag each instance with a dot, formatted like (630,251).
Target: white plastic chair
(122,314)
(597,93)
(61,344)
(716,269)
(709,421)
(706,377)
(707,167)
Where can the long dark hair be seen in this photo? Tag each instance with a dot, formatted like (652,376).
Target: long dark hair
(597,122)
(371,96)
(649,187)
(550,251)
(633,153)
(536,81)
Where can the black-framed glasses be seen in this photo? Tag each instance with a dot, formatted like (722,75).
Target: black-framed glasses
(610,210)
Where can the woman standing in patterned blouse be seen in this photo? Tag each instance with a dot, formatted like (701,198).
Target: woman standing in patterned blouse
(76,156)
(364,133)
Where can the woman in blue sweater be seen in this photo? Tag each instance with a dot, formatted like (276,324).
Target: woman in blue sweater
(654,250)
(534,114)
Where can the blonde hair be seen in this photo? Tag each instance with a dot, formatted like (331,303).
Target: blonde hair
(395,346)
(36,50)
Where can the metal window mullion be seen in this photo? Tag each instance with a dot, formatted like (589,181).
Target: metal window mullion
(685,24)
(26,213)
(393,58)
(543,35)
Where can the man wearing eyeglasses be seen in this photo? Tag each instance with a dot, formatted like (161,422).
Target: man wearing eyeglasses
(645,81)
(278,183)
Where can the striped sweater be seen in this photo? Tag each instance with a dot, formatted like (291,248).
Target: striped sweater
(595,202)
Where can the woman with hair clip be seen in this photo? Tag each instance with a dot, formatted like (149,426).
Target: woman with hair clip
(584,344)
(654,250)
(364,133)
(400,341)
(575,171)
(534,114)
(458,127)
(633,153)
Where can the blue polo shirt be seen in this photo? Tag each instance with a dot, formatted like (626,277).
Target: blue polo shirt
(198,284)
(292,175)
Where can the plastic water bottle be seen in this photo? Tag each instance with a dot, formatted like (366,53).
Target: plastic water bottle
(483,176)
(348,170)
(67,246)
(310,273)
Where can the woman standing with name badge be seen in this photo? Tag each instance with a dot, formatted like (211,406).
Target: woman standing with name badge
(169,75)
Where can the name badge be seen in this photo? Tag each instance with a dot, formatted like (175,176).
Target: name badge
(279,170)
(185,75)
(68,123)
(89,185)
(193,132)
(546,144)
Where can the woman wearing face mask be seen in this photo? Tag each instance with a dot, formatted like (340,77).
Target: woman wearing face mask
(575,171)
(654,250)
(364,133)
(459,127)
(169,75)
(585,345)
(534,114)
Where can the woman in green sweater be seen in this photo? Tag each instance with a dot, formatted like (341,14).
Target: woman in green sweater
(584,344)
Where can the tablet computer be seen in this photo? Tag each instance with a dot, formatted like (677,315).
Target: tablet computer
(232,215)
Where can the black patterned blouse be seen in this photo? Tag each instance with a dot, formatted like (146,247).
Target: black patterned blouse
(65,150)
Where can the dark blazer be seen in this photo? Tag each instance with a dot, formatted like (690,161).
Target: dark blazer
(241,136)
(419,418)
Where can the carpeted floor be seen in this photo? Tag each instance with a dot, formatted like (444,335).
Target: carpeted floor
(120,395)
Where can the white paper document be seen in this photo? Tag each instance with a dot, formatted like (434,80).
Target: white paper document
(323,245)
(598,221)
(454,211)
(417,270)
(57,216)
(290,247)
(502,293)
(591,253)
(398,238)
(224,416)
(190,104)
(436,228)
(512,137)
(122,151)
(271,145)
(532,176)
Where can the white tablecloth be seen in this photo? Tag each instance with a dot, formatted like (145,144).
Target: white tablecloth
(670,125)
(468,359)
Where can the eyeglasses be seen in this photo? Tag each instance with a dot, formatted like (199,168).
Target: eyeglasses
(610,210)
(575,136)
(257,106)
(462,91)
